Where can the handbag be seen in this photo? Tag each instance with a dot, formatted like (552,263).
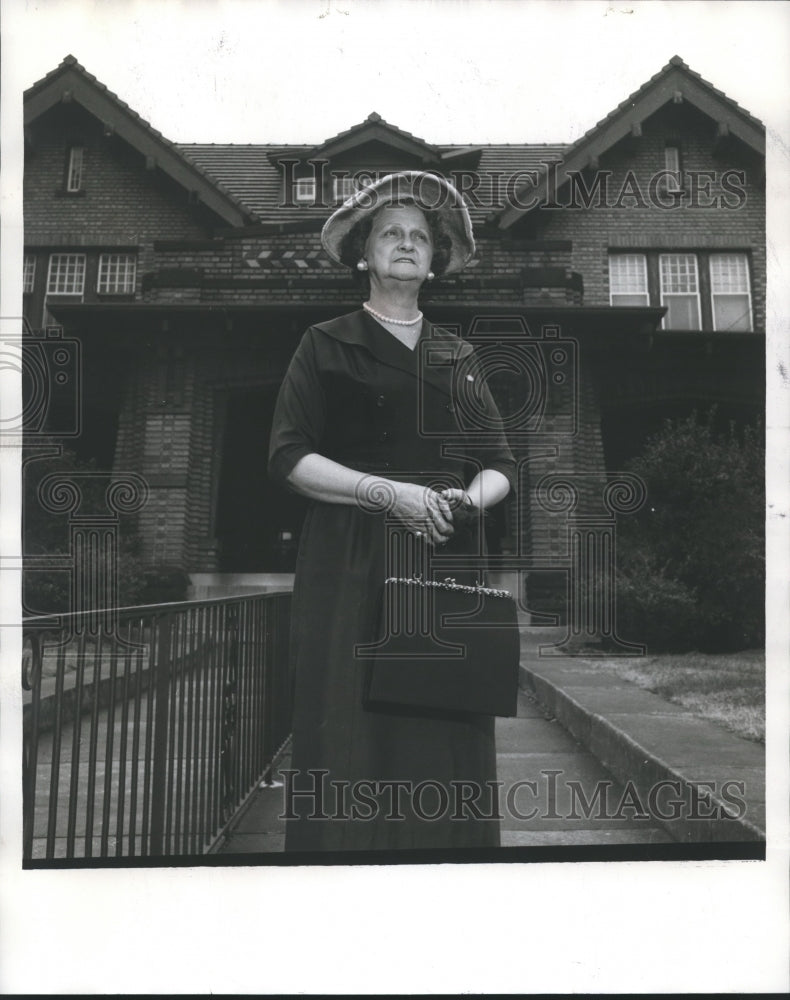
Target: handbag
(444,647)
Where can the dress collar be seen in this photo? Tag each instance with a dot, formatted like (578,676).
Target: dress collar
(433,355)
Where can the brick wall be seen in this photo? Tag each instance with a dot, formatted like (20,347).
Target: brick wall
(120,204)
(596,230)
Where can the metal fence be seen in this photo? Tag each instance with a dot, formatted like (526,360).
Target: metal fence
(146,728)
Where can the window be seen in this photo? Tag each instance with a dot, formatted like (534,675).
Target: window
(305,189)
(29,274)
(680,291)
(74,172)
(343,188)
(117,273)
(730,295)
(628,280)
(672,180)
(66,274)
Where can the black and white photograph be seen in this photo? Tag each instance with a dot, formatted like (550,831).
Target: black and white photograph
(394,495)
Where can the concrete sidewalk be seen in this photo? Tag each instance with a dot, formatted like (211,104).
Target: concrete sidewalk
(591,759)
(715,778)
(545,778)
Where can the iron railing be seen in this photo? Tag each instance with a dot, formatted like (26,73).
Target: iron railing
(146,728)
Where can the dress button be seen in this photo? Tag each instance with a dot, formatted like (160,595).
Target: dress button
(450,408)
(384,435)
(380,401)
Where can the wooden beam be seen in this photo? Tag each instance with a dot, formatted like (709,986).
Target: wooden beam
(636,130)
(108,128)
(677,97)
(150,163)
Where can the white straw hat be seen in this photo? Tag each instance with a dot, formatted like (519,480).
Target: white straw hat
(428,191)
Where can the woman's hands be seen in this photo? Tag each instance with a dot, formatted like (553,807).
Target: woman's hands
(424,511)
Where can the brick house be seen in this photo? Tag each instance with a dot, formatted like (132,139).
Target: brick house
(188,272)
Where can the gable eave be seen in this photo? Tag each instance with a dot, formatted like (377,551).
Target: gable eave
(376,129)
(676,78)
(70,81)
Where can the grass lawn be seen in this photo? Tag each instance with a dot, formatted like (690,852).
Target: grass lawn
(725,688)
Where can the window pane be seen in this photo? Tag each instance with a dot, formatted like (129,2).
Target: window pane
(29,277)
(66,274)
(305,189)
(117,273)
(672,159)
(672,163)
(74,181)
(678,273)
(729,273)
(682,312)
(344,188)
(729,282)
(628,277)
(731,312)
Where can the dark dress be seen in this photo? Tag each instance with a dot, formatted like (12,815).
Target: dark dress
(355,394)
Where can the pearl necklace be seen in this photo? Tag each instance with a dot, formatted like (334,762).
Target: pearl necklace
(387,319)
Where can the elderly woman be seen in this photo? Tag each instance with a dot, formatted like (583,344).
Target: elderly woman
(369,431)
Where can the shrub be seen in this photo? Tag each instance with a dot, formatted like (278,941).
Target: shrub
(46,533)
(694,556)
(163,584)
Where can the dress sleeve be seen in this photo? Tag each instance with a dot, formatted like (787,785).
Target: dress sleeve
(491,450)
(299,414)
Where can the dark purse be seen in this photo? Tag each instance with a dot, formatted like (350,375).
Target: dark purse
(444,647)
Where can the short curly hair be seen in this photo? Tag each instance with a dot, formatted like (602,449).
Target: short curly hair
(353,246)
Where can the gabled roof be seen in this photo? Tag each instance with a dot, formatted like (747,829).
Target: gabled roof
(375,129)
(675,82)
(252,173)
(71,82)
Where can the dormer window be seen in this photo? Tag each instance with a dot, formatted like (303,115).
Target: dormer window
(304,190)
(343,187)
(74,169)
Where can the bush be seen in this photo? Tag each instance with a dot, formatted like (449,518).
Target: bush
(46,533)
(163,584)
(692,562)
(655,609)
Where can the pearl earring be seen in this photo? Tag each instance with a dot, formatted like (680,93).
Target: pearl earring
(430,276)
(362,265)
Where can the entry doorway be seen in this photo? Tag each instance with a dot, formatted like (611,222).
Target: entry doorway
(258,523)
